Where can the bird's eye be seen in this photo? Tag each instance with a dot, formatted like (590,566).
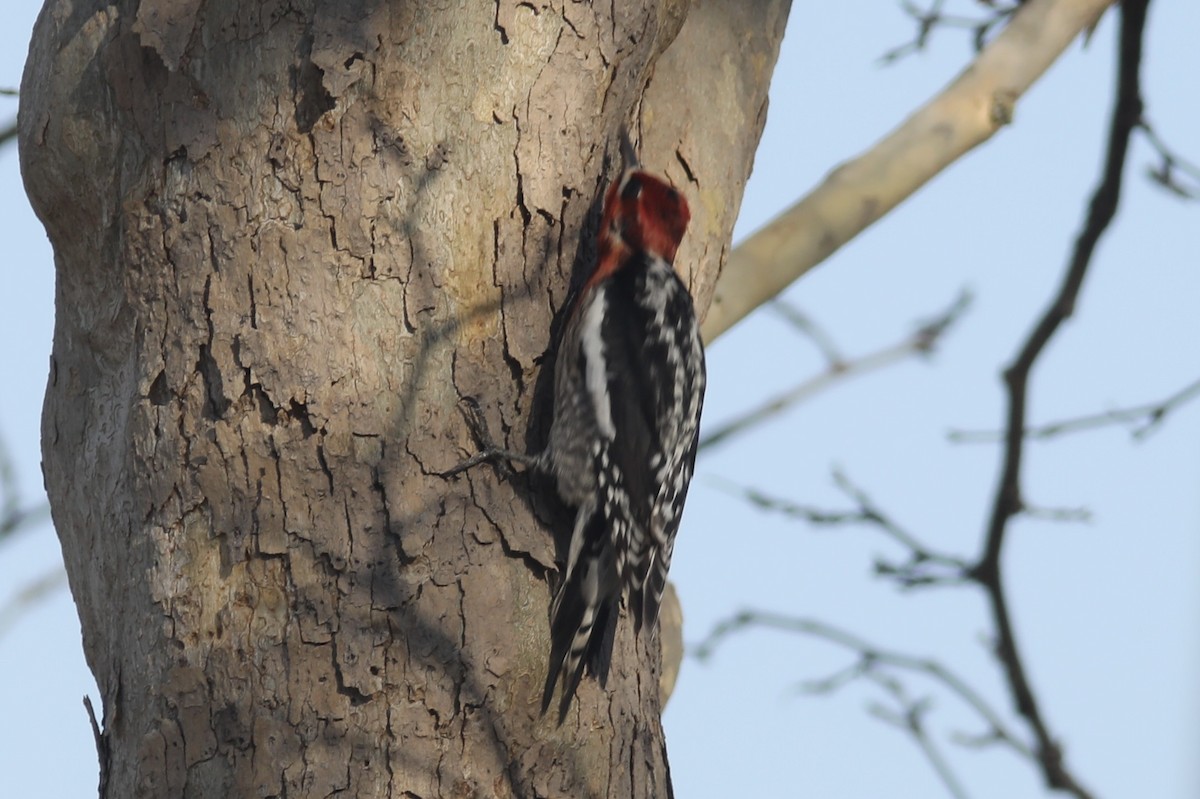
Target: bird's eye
(632,188)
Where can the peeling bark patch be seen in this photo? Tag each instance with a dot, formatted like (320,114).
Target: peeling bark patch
(159,394)
(166,26)
(215,404)
(392,143)
(268,414)
(438,157)
(299,412)
(312,100)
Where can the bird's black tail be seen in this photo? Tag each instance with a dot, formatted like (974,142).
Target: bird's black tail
(583,620)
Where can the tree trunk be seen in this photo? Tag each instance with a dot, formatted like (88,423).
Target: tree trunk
(289,238)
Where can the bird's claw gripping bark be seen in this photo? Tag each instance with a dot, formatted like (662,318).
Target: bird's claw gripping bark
(488,452)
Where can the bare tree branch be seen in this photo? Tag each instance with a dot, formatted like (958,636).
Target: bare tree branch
(854,195)
(869,659)
(950,569)
(923,567)
(1009,502)
(1043,748)
(1045,751)
(922,341)
(1142,419)
(812,515)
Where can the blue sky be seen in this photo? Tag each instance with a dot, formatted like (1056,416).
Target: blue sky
(1107,612)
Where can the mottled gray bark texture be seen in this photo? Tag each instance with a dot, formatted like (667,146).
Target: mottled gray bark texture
(289,238)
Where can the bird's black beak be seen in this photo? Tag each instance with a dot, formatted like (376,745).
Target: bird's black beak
(628,154)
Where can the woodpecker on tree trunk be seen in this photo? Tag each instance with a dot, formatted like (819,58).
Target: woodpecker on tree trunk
(628,391)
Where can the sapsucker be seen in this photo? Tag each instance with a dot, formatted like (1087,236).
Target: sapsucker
(628,390)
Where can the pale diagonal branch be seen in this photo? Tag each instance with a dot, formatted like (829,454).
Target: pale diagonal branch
(856,194)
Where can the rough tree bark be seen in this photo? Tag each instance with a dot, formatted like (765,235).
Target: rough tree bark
(289,237)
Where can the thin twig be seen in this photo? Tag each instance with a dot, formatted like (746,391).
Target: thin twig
(1009,502)
(1075,515)
(808,513)
(911,719)
(950,570)
(8,133)
(13,516)
(1143,420)
(926,22)
(32,593)
(22,518)
(913,572)
(808,326)
(1170,166)
(10,492)
(920,342)
(931,19)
